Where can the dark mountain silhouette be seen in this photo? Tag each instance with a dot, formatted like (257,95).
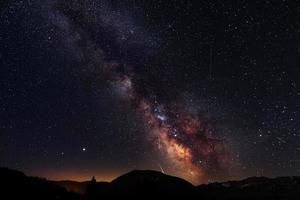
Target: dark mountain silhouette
(253,188)
(150,183)
(145,184)
(16,185)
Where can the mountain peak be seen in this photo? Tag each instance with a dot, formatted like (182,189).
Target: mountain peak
(150,182)
(147,172)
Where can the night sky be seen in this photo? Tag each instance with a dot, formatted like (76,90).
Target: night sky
(204,90)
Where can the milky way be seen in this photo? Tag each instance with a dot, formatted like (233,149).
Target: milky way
(185,139)
(204,90)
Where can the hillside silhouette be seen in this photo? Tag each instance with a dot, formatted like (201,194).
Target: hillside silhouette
(16,185)
(145,184)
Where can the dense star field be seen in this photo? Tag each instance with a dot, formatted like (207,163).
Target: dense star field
(204,90)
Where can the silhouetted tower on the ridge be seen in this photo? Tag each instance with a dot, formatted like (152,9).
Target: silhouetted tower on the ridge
(91,189)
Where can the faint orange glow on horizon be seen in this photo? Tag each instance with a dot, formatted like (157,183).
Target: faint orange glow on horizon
(76,175)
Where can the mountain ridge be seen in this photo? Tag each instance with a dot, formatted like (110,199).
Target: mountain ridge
(148,183)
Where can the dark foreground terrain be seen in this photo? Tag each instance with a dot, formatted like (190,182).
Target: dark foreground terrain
(145,184)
